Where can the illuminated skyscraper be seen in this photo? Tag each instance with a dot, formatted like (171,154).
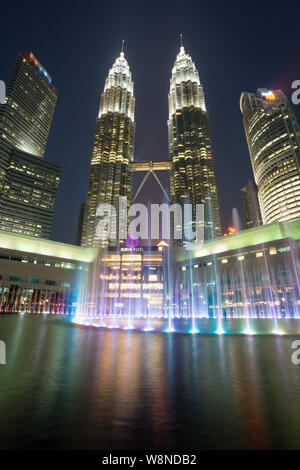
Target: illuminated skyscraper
(192,176)
(26,115)
(27,200)
(110,173)
(273,138)
(28,182)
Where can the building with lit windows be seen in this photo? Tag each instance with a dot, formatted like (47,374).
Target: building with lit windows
(192,175)
(28,194)
(26,115)
(41,276)
(110,171)
(273,138)
(251,206)
(253,273)
(132,281)
(28,182)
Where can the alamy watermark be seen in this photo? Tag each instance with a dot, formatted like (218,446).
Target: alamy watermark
(2,92)
(2,352)
(295,358)
(166,222)
(296,94)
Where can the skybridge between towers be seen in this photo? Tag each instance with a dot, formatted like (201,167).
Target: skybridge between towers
(151,168)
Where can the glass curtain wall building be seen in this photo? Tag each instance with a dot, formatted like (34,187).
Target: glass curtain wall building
(28,182)
(26,115)
(273,138)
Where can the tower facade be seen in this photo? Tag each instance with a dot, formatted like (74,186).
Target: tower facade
(273,138)
(28,198)
(28,182)
(26,115)
(192,176)
(110,172)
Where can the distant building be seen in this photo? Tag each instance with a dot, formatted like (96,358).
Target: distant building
(80,224)
(273,138)
(28,182)
(192,176)
(251,207)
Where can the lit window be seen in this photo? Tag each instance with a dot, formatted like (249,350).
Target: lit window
(15,279)
(65,284)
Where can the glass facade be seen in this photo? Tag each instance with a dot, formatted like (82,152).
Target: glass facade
(273,139)
(192,176)
(26,115)
(28,196)
(258,281)
(28,182)
(132,282)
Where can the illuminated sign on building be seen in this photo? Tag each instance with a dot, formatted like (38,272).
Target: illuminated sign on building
(138,249)
(40,68)
(132,242)
(269,96)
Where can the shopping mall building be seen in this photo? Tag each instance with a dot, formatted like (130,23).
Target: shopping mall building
(254,272)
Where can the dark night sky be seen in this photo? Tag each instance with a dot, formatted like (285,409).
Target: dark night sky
(237,46)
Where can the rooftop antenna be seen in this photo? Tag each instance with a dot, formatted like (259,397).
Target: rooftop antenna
(122,48)
(181,40)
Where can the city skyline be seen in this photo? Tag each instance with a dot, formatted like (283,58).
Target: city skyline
(226,67)
(150,247)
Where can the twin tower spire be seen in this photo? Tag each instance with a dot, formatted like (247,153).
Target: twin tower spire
(192,175)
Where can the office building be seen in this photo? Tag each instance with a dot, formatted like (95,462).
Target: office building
(26,115)
(28,182)
(273,138)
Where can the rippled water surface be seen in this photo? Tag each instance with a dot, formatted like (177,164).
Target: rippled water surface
(70,387)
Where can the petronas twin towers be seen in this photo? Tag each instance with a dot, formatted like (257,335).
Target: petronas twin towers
(110,174)
(192,175)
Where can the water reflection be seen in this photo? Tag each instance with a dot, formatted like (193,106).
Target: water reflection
(71,387)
